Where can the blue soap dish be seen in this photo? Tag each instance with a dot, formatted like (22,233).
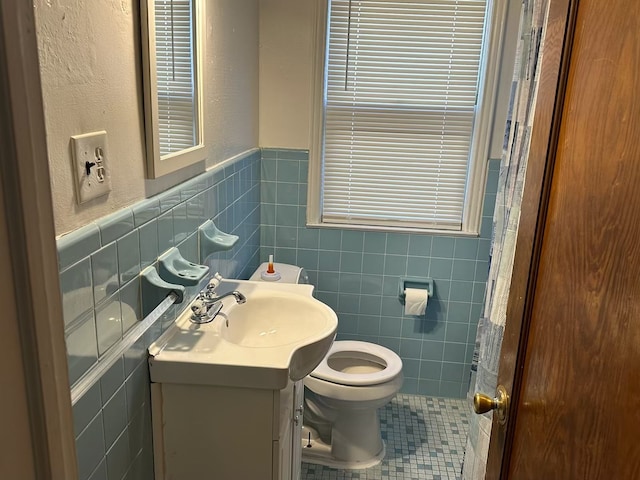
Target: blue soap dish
(173,268)
(211,239)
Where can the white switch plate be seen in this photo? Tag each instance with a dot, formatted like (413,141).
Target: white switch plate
(88,149)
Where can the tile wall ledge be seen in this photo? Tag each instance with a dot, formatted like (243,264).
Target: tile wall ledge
(74,245)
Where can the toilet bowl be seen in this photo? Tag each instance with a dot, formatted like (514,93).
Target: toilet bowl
(341,427)
(342,397)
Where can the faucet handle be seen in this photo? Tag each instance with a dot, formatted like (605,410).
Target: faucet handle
(198,307)
(214,282)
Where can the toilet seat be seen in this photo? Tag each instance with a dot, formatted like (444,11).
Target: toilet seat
(391,363)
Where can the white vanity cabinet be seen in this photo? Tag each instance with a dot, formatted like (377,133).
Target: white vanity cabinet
(224,405)
(226,433)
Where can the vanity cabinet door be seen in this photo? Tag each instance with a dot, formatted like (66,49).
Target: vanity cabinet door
(289,453)
(284,414)
(225,433)
(213,433)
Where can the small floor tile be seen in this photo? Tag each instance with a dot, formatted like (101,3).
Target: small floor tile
(425,440)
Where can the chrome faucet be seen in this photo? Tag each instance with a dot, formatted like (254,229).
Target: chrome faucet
(207,305)
(240,298)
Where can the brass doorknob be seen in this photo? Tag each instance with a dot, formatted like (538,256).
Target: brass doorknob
(483,404)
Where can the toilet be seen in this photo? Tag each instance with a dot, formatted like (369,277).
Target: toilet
(341,427)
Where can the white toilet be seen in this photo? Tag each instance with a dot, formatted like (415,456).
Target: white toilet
(342,396)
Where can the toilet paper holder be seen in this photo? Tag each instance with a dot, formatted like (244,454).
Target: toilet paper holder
(414,282)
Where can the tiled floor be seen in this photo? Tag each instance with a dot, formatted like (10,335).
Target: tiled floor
(425,440)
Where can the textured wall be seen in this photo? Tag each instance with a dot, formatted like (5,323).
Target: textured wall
(91,75)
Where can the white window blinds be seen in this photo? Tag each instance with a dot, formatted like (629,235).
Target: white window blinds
(175,75)
(400,101)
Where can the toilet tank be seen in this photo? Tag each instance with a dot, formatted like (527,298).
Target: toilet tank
(288,273)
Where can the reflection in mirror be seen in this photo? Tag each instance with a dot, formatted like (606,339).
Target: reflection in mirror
(172,53)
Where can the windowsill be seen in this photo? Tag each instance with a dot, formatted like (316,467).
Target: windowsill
(387,229)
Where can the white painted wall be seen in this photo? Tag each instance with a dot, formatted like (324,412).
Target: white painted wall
(286,64)
(91,76)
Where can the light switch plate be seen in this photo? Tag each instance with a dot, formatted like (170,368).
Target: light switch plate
(91,165)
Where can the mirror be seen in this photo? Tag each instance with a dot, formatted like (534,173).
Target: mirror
(172,63)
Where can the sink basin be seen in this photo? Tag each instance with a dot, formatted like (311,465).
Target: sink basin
(279,335)
(271,319)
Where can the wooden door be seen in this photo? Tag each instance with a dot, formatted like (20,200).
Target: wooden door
(576,389)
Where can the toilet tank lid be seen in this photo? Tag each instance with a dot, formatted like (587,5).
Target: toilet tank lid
(288,273)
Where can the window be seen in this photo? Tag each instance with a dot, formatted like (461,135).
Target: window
(398,139)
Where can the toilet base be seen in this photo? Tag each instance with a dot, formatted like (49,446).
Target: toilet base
(319,453)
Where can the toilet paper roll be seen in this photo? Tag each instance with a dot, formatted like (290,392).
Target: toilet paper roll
(415,301)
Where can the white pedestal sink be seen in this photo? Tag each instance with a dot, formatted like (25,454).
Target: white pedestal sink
(281,333)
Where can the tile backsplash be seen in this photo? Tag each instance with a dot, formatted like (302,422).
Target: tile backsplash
(100,265)
(261,197)
(357,274)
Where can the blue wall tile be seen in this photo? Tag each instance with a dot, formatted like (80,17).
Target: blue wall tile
(358,273)
(397,244)
(83,242)
(90,448)
(145,211)
(131,301)
(352,241)
(76,287)
(372,263)
(418,266)
(103,259)
(330,239)
(111,381)
(430,370)
(442,247)
(115,225)
(165,232)
(108,323)
(104,268)
(119,456)
(432,350)
(128,248)
(455,351)
(100,473)
(86,409)
(420,245)
(375,242)
(82,350)
(114,415)
(148,247)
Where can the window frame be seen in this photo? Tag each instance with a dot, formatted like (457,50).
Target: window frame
(489,76)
